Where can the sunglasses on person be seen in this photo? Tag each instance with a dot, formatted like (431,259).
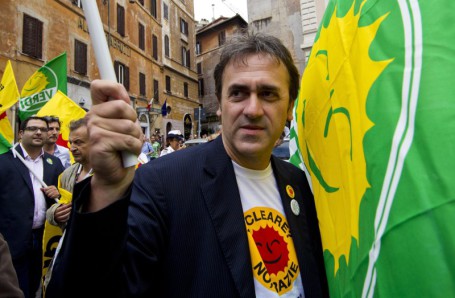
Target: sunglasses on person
(36,128)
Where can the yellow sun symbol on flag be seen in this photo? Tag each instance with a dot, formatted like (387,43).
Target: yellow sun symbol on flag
(332,122)
(35,84)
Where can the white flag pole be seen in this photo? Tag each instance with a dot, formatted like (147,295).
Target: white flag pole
(103,57)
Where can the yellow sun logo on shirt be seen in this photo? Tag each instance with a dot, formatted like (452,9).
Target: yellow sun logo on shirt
(332,122)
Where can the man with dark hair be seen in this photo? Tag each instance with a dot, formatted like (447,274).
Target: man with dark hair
(24,200)
(50,145)
(222,219)
(58,214)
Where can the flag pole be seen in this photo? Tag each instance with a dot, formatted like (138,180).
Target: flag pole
(13,110)
(41,181)
(103,57)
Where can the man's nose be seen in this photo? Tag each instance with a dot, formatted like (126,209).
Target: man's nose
(253,106)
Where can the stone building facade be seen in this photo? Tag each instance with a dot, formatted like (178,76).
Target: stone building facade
(209,42)
(295,22)
(281,19)
(135,30)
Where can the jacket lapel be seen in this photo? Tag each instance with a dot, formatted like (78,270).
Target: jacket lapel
(23,170)
(299,227)
(47,168)
(223,202)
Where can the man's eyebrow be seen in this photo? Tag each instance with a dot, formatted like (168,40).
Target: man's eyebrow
(268,87)
(238,87)
(260,87)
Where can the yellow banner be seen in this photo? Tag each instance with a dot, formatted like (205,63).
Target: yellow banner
(9,94)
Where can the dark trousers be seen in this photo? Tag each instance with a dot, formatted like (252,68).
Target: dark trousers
(29,267)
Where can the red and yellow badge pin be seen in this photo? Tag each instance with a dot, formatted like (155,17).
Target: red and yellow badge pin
(290,191)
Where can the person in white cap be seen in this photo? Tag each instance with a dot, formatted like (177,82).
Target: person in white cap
(173,140)
(221,219)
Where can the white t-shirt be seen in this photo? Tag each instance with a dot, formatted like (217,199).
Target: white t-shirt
(166,151)
(276,270)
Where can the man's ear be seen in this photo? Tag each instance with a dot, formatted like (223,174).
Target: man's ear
(290,108)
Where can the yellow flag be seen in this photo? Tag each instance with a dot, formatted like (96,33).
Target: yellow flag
(6,133)
(9,94)
(53,234)
(65,109)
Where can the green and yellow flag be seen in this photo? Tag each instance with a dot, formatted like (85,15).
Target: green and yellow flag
(42,86)
(9,95)
(373,126)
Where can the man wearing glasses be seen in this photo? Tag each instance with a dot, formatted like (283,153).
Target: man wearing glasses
(50,145)
(24,200)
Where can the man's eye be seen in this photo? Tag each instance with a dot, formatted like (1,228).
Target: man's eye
(237,94)
(269,95)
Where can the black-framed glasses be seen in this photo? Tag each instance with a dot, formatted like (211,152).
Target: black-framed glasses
(36,128)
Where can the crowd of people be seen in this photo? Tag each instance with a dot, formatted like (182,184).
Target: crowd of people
(245,226)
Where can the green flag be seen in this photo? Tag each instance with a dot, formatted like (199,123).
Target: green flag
(373,127)
(42,86)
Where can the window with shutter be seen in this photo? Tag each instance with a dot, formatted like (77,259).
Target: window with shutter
(188,56)
(201,87)
(32,37)
(168,84)
(141,37)
(185,89)
(156,94)
(153,9)
(121,20)
(183,26)
(78,3)
(221,38)
(142,87)
(123,74)
(155,47)
(165,11)
(184,56)
(166,46)
(126,82)
(80,57)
